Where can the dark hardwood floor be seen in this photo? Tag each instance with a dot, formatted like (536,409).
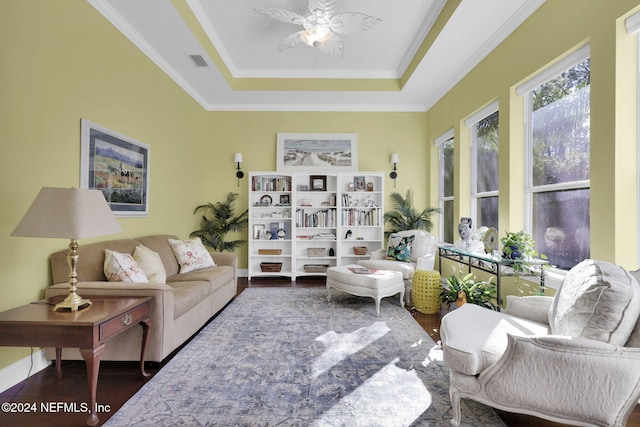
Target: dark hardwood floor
(120,380)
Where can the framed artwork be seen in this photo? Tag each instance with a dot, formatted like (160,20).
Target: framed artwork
(317,151)
(318,182)
(358,183)
(285,200)
(118,166)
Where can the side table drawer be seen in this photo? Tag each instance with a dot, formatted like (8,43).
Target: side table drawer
(123,322)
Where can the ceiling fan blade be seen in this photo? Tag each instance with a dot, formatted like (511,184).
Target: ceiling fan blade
(333,47)
(328,6)
(351,22)
(290,41)
(282,15)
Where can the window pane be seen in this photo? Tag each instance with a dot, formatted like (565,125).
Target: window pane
(447,159)
(448,221)
(561,227)
(487,209)
(561,127)
(486,139)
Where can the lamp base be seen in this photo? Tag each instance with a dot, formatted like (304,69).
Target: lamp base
(72,304)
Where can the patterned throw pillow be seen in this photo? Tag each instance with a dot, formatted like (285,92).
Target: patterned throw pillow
(119,267)
(151,263)
(399,248)
(191,254)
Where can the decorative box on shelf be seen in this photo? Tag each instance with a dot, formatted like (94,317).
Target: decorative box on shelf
(360,250)
(316,252)
(316,268)
(269,251)
(270,267)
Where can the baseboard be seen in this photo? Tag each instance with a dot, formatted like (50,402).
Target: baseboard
(243,272)
(18,371)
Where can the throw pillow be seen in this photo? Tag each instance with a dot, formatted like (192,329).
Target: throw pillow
(191,254)
(399,248)
(151,263)
(119,267)
(597,300)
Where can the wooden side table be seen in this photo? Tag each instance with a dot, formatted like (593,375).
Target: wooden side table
(37,325)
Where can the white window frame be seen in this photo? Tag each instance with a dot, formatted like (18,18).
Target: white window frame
(633,28)
(439,143)
(555,275)
(469,123)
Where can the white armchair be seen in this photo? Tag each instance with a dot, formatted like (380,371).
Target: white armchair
(423,253)
(573,358)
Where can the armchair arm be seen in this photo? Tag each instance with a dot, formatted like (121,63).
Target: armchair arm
(535,308)
(379,254)
(426,262)
(566,379)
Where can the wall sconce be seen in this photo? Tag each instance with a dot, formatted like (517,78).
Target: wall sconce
(394,173)
(239,174)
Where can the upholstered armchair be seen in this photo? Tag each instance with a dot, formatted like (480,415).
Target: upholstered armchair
(573,358)
(413,250)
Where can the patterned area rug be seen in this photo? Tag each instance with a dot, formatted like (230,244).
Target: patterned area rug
(287,357)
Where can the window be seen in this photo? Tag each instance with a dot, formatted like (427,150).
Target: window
(484,164)
(445,153)
(557,186)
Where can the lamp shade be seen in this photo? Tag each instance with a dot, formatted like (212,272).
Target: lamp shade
(395,158)
(237,158)
(69,213)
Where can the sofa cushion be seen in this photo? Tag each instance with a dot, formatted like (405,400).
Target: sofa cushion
(191,254)
(215,276)
(187,295)
(151,263)
(121,267)
(596,300)
(399,247)
(159,243)
(485,337)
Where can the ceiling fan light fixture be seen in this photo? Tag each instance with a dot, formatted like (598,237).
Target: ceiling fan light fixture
(316,35)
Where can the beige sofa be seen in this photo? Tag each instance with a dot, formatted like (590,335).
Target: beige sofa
(178,308)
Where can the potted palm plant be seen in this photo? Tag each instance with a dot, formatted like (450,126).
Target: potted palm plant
(222,220)
(406,217)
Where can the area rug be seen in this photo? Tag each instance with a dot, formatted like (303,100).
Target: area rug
(288,357)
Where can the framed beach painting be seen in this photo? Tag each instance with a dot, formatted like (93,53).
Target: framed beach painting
(118,166)
(317,152)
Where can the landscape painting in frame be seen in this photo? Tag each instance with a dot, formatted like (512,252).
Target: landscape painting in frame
(116,165)
(317,151)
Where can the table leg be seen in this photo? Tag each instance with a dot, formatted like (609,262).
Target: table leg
(59,362)
(92,357)
(146,324)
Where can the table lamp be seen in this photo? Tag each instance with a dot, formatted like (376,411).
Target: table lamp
(68,213)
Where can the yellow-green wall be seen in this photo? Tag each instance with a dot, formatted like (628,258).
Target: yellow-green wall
(62,61)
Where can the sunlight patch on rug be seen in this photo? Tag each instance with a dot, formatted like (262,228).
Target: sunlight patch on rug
(340,346)
(379,396)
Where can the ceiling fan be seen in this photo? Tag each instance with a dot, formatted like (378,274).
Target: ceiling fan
(322,28)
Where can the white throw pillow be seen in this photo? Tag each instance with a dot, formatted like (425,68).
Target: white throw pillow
(151,263)
(597,300)
(119,267)
(191,254)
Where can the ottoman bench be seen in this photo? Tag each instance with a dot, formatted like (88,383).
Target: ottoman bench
(382,283)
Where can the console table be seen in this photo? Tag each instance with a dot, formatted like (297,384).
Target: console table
(37,325)
(490,263)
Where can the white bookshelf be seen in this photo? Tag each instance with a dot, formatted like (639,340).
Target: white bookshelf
(320,216)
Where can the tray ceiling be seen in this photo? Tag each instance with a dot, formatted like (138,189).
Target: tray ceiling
(224,54)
